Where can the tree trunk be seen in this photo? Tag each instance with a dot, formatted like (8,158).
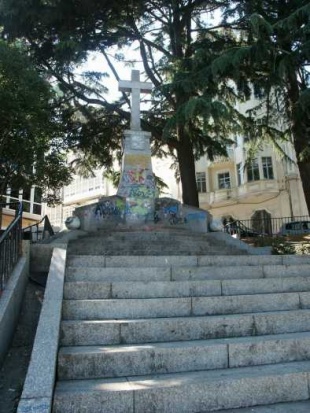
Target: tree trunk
(301,135)
(304,171)
(187,169)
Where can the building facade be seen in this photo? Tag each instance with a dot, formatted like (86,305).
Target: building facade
(31,199)
(232,188)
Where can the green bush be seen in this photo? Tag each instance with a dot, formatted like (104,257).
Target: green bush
(303,248)
(282,248)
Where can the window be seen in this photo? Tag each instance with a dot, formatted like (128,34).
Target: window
(267,167)
(253,171)
(239,173)
(224,180)
(201,182)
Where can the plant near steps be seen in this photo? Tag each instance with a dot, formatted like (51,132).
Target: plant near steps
(303,249)
(282,248)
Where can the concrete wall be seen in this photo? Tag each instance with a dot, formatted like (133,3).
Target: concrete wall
(11,300)
(41,255)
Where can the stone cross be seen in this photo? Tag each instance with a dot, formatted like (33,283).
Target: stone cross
(135,87)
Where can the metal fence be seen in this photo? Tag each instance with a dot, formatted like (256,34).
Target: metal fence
(10,246)
(264,227)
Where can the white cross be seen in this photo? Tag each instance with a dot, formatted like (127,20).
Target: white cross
(135,87)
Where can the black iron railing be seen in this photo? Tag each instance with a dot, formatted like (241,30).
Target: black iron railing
(10,245)
(263,227)
(39,231)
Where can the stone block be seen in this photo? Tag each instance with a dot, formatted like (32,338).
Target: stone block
(126,308)
(113,274)
(215,273)
(214,390)
(286,270)
(151,261)
(116,396)
(166,289)
(244,304)
(282,322)
(96,362)
(83,290)
(185,328)
(251,351)
(88,333)
(255,286)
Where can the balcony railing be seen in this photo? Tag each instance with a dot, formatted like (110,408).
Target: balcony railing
(10,245)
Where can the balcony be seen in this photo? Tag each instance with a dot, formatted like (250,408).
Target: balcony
(254,192)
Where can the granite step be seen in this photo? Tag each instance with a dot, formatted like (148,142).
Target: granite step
(180,326)
(94,272)
(182,307)
(289,407)
(83,290)
(155,330)
(152,250)
(91,362)
(179,261)
(189,392)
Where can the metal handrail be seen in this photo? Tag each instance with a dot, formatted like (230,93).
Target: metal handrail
(34,233)
(10,246)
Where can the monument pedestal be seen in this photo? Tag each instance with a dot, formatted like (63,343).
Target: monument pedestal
(137,182)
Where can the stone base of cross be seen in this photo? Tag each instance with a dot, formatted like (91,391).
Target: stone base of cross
(137,183)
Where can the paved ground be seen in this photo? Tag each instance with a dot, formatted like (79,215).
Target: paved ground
(14,368)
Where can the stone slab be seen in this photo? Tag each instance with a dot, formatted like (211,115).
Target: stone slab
(82,290)
(118,274)
(215,273)
(240,260)
(158,358)
(151,261)
(245,303)
(126,308)
(209,391)
(283,348)
(263,285)
(83,333)
(188,392)
(296,407)
(287,270)
(281,322)
(116,396)
(165,289)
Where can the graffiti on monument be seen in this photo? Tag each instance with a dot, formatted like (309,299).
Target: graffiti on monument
(168,210)
(110,208)
(138,208)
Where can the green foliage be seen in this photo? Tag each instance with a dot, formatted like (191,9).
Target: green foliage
(30,126)
(303,248)
(199,69)
(280,247)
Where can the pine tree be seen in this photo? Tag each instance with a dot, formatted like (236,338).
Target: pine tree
(190,119)
(272,62)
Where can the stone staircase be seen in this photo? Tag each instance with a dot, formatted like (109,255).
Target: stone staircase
(207,330)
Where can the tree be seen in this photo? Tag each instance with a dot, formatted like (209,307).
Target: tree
(273,62)
(31,127)
(167,34)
